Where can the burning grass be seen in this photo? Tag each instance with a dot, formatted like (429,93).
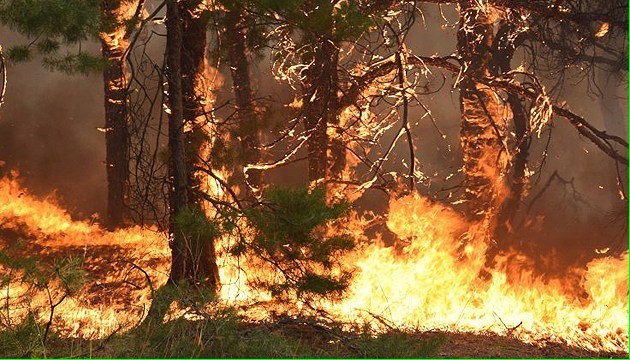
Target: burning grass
(401,301)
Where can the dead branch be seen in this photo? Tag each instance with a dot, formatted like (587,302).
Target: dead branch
(600,138)
(3,70)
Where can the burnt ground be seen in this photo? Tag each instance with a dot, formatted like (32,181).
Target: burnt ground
(111,279)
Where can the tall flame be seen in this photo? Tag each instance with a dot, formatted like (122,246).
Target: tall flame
(431,282)
(434,282)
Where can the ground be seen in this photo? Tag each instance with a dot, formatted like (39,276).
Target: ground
(116,295)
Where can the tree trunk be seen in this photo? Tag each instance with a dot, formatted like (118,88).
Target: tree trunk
(483,125)
(113,46)
(177,163)
(506,42)
(195,86)
(200,265)
(247,131)
(517,180)
(320,106)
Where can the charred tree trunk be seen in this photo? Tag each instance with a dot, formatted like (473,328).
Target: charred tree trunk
(337,149)
(247,131)
(505,44)
(320,106)
(177,163)
(200,265)
(114,43)
(482,128)
(517,180)
(195,87)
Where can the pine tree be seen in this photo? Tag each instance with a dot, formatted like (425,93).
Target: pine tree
(117,17)
(321,27)
(193,253)
(238,36)
(58,26)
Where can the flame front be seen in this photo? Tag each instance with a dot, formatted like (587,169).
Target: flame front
(432,281)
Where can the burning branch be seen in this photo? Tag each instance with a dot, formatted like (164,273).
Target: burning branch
(598,137)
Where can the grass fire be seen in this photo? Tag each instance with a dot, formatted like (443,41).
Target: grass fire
(319,178)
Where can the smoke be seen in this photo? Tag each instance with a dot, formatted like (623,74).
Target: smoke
(48,132)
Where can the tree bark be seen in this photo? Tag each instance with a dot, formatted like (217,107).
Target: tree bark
(320,105)
(195,88)
(482,128)
(177,163)
(114,43)
(248,119)
(517,181)
(200,265)
(504,47)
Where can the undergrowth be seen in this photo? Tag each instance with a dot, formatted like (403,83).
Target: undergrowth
(289,231)
(222,335)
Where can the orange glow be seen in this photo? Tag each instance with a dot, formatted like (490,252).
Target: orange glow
(86,313)
(432,282)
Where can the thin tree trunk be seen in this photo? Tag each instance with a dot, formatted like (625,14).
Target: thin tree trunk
(517,180)
(200,263)
(320,106)
(113,46)
(504,47)
(248,118)
(177,163)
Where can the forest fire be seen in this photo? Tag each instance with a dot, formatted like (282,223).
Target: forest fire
(431,283)
(434,283)
(322,178)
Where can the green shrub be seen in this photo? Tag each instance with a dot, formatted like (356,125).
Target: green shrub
(25,335)
(290,236)
(25,339)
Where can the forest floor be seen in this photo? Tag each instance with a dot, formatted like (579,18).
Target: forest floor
(115,284)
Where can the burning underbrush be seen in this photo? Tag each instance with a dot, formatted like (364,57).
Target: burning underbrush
(81,281)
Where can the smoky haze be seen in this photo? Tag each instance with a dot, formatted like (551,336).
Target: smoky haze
(48,131)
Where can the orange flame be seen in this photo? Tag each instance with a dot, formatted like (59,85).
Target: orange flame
(432,282)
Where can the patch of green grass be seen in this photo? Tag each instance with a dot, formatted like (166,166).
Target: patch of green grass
(208,338)
(265,344)
(399,344)
(220,333)
(27,340)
